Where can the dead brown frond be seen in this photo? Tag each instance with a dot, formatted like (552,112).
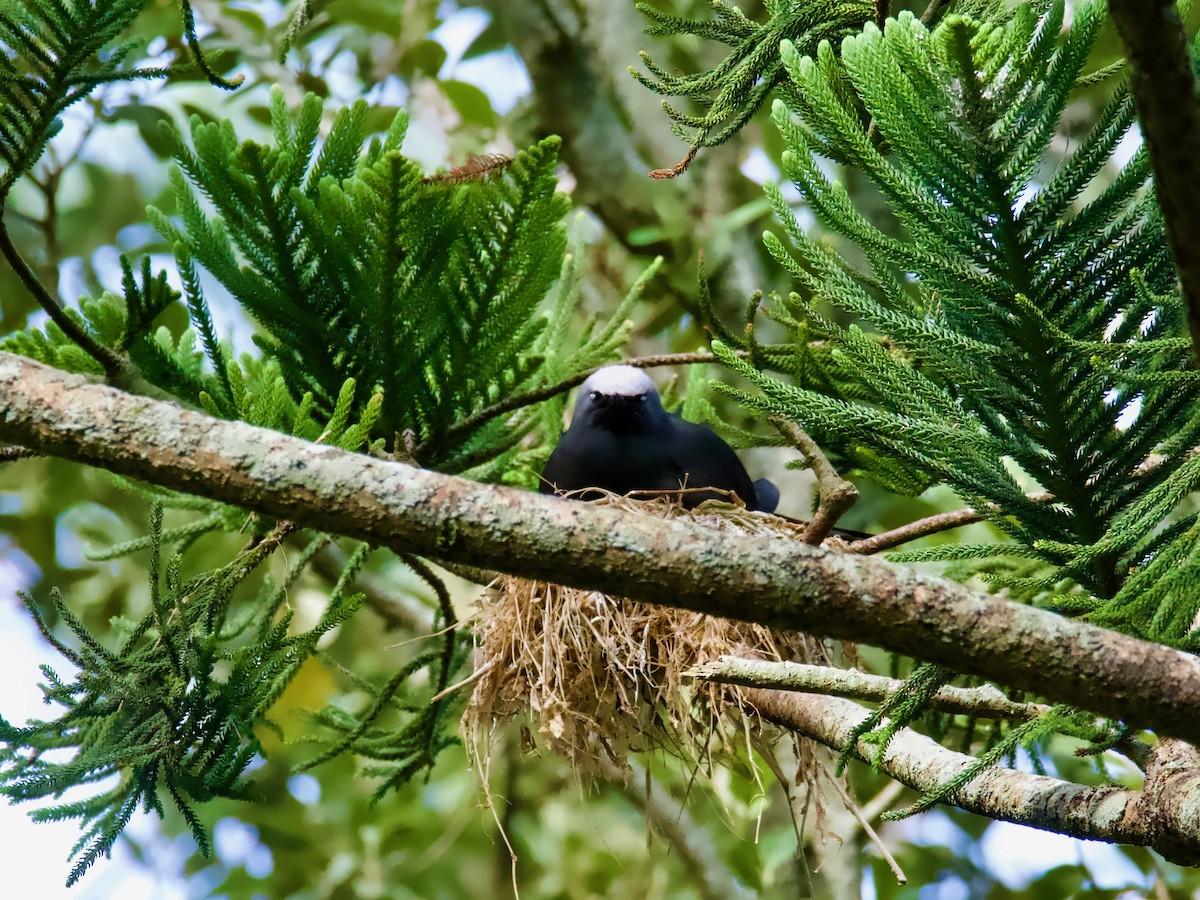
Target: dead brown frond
(477,168)
(602,677)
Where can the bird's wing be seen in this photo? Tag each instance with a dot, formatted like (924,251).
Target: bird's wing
(596,458)
(767,494)
(566,464)
(705,460)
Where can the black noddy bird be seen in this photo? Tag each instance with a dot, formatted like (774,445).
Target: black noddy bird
(622,440)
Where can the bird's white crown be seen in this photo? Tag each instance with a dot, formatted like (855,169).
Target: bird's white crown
(624,380)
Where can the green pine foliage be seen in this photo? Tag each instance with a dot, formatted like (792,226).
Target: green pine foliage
(434,296)
(1000,327)
(171,712)
(732,91)
(356,264)
(564,357)
(63,50)
(400,312)
(50,345)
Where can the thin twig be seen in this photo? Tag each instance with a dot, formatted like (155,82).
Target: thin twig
(517,401)
(835,494)
(48,185)
(967,516)
(48,225)
(193,42)
(870,832)
(116,369)
(459,685)
(428,636)
(913,530)
(679,168)
(929,525)
(504,823)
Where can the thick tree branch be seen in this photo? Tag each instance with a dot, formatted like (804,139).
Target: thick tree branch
(983,702)
(12,454)
(777,582)
(1165,815)
(1165,90)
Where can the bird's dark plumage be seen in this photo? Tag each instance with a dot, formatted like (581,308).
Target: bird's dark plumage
(622,440)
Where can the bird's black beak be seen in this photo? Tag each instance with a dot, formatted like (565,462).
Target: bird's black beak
(616,412)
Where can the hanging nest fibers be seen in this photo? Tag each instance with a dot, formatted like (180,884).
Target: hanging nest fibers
(602,677)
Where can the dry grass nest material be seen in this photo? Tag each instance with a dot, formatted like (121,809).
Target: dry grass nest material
(602,677)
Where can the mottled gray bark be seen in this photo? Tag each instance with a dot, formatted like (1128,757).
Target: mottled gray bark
(984,701)
(1164,815)
(779,582)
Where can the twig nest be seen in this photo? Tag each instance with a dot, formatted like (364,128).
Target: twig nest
(602,677)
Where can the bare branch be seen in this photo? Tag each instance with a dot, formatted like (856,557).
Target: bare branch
(914,530)
(930,525)
(960,517)
(835,494)
(1163,816)
(934,8)
(774,581)
(983,702)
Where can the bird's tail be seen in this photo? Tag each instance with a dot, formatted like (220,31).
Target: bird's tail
(766,494)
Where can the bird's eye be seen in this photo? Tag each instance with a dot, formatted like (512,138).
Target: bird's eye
(595,395)
(641,398)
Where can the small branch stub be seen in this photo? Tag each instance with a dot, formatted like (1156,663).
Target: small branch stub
(835,495)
